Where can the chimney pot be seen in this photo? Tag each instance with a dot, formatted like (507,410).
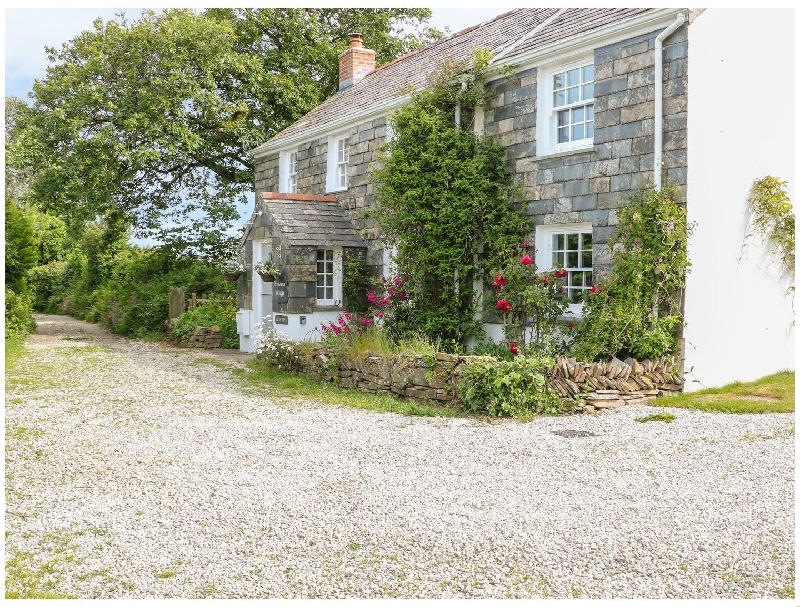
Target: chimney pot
(355,40)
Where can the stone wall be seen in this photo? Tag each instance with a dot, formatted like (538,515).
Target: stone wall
(365,140)
(203,337)
(595,385)
(589,185)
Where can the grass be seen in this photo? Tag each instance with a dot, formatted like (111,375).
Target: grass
(658,417)
(770,394)
(291,386)
(14,350)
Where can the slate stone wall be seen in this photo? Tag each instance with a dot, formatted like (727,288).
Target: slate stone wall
(365,140)
(590,185)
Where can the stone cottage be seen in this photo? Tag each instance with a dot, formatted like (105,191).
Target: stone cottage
(600,104)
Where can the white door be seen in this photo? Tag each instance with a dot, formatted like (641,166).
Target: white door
(262,291)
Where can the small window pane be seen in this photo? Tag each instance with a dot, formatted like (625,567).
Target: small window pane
(558,81)
(590,112)
(586,259)
(563,134)
(572,260)
(589,130)
(586,240)
(573,77)
(577,279)
(558,242)
(588,73)
(563,118)
(577,114)
(587,279)
(577,132)
(572,242)
(588,91)
(558,98)
(576,295)
(573,95)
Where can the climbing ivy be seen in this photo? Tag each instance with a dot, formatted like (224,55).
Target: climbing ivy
(445,201)
(773,218)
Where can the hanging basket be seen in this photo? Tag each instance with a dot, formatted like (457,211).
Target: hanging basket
(232,276)
(267,277)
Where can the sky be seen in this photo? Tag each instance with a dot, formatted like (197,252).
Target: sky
(29,30)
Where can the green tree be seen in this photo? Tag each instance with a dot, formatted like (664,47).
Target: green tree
(444,195)
(20,247)
(152,119)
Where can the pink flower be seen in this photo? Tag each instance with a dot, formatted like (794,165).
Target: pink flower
(398,282)
(526,260)
(347,315)
(514,348)
(383,279)
(365,321)
(384,302)
(342,321)
(372,299)
(378,313)
(392,292)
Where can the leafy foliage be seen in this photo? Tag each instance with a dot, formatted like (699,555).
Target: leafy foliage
(19,317)
(20,254)
(441,194)
(508,387)
(209,315)
(637,310)
(530,304)
(772,217)
(356,283)
(153,119)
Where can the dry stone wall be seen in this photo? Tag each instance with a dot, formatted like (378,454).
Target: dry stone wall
(595,386)
(203,337)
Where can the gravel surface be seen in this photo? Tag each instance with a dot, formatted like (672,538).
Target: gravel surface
(133,470)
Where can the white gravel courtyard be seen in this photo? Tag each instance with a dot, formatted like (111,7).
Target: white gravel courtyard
(133,470)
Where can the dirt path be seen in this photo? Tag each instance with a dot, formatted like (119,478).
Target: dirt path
(53,329)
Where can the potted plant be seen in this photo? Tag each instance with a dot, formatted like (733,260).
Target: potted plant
(232,270)
(267,270)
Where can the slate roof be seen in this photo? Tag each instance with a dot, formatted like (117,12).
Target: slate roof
(310,220)
(392,81)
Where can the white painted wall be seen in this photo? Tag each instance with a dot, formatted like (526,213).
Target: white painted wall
(741,127)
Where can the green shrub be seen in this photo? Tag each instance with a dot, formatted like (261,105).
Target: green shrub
(19,319)
(508,387)
(209,315)
(20,250)
(637,310)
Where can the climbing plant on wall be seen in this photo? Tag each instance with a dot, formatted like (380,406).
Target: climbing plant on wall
(773,218)
(444,199)
(635,312)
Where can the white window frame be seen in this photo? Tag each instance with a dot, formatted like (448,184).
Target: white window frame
(544,251)
(338,161)
(336,276)
(288,171)
(547,142)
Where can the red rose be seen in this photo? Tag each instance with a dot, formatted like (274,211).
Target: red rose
(571,324)
(593,289)
(504,306)
(525,245)
(514,348)
(526,260)
(560,289)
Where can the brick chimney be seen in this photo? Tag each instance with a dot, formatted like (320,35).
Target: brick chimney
(355,63)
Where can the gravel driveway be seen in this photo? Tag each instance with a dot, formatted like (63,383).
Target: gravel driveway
(135,470)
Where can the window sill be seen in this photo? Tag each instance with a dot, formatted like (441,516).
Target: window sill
(575,152)
(327,308)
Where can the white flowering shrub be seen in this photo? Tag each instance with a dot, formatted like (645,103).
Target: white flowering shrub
(275,348)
